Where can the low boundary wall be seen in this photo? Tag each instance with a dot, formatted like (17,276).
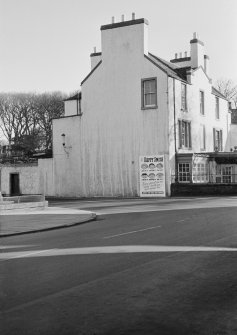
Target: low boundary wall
(203,189)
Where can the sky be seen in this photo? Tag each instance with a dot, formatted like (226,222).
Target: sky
(46,44)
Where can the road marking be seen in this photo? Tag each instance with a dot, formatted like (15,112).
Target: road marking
(117,249)
(132,232)
(182,220)
(21,254)
(17,246)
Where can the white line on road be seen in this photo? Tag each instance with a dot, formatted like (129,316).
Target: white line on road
(132,232)
(19,254)
(117,249)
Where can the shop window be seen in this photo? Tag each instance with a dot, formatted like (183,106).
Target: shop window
(200,173)
(184,172)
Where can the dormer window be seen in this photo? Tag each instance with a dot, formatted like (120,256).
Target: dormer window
(149,93)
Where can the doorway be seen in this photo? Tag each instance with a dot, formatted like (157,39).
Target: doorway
(14,184)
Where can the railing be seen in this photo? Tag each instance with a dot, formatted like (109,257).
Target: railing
(203,178)
(25,198)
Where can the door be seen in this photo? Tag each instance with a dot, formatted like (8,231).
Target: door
(14,184)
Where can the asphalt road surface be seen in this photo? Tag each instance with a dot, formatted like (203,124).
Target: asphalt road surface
(147,272)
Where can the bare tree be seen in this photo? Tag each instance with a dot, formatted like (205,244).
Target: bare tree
(25,118)
(228,89)
(48,106)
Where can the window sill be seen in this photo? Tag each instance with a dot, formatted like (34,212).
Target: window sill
(149,107)
(185,148)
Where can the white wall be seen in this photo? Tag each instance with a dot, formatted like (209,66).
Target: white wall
(71,107)
(28,177)
(67,169)
(46,176)
(113,131)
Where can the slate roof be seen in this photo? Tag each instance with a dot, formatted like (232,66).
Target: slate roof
(218,94)
(171,69)
(74,97)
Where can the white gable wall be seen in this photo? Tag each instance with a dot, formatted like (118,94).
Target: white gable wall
(115,129)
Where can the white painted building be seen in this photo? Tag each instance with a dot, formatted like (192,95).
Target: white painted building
(134,104)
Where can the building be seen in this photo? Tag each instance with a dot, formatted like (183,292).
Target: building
(135,105)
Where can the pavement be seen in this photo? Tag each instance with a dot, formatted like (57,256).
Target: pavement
(30,220)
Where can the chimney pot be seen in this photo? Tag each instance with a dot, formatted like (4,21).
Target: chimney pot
(122,18)
(94,49)
(133,16)
(195,35)
(176,55)
(180,55)
(186,54)
(112,19)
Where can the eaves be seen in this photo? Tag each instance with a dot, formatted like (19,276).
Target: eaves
(91,72)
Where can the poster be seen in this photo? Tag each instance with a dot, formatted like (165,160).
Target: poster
(152,176)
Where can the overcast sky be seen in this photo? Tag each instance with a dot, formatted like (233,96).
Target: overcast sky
(46,44)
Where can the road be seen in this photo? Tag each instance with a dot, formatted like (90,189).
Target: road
(144,269)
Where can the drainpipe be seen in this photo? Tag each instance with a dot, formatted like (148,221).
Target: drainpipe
(175,136)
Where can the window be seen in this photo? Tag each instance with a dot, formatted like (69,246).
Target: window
(184,172)
(224,173)
(217,108)
(184,134)
(200,173)
(202,137)
(202,107)
(217,139)
(149,93)
(183,97)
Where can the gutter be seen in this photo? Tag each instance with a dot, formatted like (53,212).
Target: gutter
(175,136)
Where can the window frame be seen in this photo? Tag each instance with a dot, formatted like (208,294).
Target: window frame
(185,134)
(184,107)
(200,173)
(217,108)
(184,176)
(217,142)
(143,105)
(202,102)
(202,137)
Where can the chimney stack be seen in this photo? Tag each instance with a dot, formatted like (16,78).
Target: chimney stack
(133,16)
(112,19)
(197,52)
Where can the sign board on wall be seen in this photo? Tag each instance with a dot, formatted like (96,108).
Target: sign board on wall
(152,176)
